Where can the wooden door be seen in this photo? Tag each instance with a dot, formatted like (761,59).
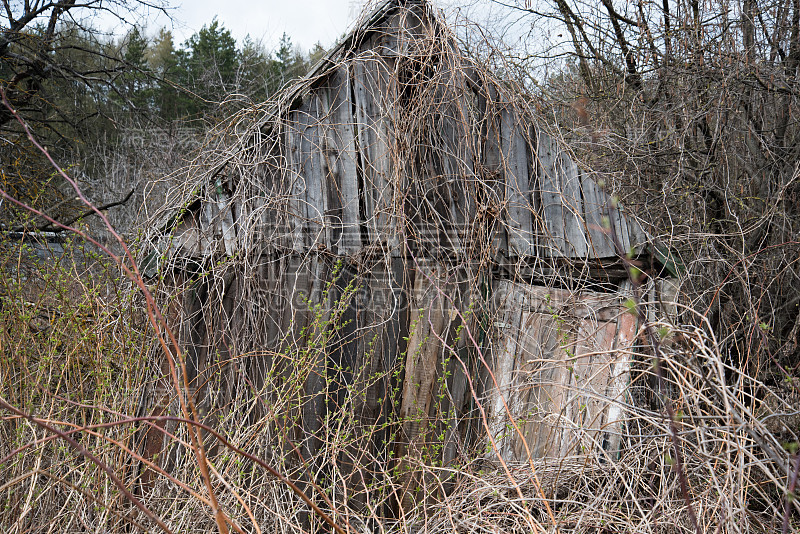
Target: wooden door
(560,366)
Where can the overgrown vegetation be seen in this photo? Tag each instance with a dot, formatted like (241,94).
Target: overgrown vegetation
(690,109)
(104,105)
(686,110)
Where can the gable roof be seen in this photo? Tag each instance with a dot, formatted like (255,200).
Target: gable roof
(395,139)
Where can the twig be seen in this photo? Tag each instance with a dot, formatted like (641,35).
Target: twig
(655,345)
(790,496)
(92,458)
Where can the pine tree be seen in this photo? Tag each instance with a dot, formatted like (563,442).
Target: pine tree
(135,87)
(162,59)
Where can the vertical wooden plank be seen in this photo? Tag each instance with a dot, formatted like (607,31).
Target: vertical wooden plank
(365,143)
(592,370)
(503,385)
(316,206)
(548,378)
(525,402)
(374,337)
(667,294)
(432,322)
(329,171)
(270,209)
(549,429)
(622,229)
(618,384)
(458,140)
(519,208)
(452,182)
(457,401)
(296,186)
(305,380)
(373,101)
(391,42)
(532,376)
(636,234)
(206,225)
(492,181)
(421,358)
(269,303)
(492,132)
(556,431)
(501,397)
(342,156)
(224,221)
(403,30)
(553,243)
(574,224)
(595,204)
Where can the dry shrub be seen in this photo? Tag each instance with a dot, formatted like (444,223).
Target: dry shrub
(72,355)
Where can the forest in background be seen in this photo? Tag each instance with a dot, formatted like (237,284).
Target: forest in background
(120,111)
(687,110)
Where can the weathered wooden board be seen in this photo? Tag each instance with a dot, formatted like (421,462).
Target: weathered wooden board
(187,238)
(433,319)
(560,372)
(457,137)
(636,234)
(553,242)
(206,220)
(359,371)
(424,345)
(501,383)
(372,91)
(296,210)
(573,207)
(316,230)
(224,228)
(490,172)
(541,380)
(621,228)
(595,206)
(340,143)
(620,378)
(518,201)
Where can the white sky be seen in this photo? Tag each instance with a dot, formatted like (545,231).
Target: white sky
(305,21)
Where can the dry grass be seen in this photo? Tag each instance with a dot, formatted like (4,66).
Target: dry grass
(73,356)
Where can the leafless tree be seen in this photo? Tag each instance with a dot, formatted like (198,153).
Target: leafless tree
(695,105)
(32,53)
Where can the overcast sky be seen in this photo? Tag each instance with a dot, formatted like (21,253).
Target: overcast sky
(305,21)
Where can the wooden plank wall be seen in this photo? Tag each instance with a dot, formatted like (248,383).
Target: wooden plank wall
(559,367)
(349,190)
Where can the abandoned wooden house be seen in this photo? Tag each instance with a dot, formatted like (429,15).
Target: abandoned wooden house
(398,244)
